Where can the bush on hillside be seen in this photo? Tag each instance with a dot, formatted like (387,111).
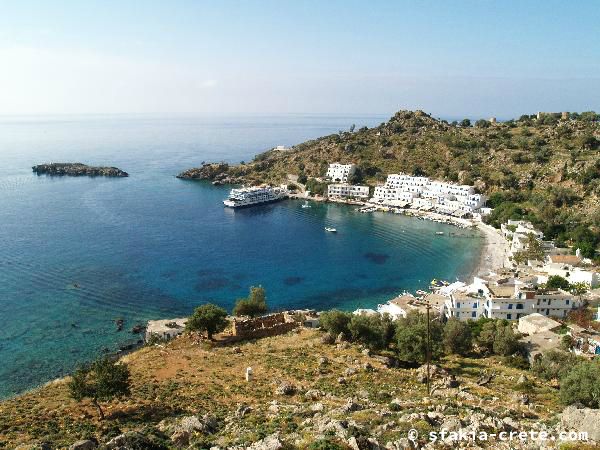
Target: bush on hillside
(335,322)
(375,331)
(581,384)
(553,364)
(411,337)
(457,337)
(498,337)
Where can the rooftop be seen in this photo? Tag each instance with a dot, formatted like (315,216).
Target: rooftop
(501,291)
(540,322)
(565,259)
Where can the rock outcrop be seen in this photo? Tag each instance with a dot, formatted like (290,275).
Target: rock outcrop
(218,173)
(582,420)
(77,170)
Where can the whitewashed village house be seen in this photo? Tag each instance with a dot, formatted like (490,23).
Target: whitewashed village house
(421,192)
(508,297)
(347,191)
(340,172)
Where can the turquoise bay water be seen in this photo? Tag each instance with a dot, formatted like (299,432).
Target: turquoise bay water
(78,253)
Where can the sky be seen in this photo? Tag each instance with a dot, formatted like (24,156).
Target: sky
(471,58)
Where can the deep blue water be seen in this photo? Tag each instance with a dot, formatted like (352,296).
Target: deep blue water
(78,253)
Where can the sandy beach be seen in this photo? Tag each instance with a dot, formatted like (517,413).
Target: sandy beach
(494,252)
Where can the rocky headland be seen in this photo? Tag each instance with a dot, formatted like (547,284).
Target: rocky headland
(77,170)
(218,173)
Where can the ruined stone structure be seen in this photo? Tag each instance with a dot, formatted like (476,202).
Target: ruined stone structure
(270,325)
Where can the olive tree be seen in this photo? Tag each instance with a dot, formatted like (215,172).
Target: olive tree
(254,305)
(457,337)
(335,322)
(101,381)
(411,337)
(582,384)
(208,318)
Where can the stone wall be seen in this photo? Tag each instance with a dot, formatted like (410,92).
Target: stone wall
(271,325)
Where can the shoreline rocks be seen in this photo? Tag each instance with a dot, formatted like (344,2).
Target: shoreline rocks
(77,170)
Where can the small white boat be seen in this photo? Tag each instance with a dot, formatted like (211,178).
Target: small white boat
(306,205)
(439,233)
(331,230)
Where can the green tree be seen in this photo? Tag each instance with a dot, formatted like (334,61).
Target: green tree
(579,288)
(208,318)
(557,282)
(335,322)
(582,384)
(101,381)
(499,338)
(465,123)
(457,337)
(482,123)
(376,331)
(506,341)
(553,364)
(411,337)
(254,305)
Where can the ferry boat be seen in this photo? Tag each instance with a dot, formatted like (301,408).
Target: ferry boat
(250,196)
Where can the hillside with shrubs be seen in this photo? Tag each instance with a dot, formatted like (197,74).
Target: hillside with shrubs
(358,383)
(546,169)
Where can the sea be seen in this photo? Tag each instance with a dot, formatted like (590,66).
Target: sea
(78,254)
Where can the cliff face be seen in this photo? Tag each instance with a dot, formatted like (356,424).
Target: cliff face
(77,170)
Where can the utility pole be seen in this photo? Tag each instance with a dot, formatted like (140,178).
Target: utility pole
(428,307)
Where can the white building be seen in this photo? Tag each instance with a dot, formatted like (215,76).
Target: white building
(536,323)
(347,191)
(165,329)
(506,297)
(340,172)
(425,193)
(518,232)
(573,274)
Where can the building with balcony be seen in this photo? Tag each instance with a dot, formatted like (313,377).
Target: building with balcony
(340,172)
(347,191)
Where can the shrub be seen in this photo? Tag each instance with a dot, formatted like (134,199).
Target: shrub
(553,364)
(411,337)
(557,282)
(335,322)
(499,338)
(327,443)
(457,337)
(582,384)
(375,331)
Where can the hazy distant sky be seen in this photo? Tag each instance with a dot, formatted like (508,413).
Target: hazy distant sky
(450,58)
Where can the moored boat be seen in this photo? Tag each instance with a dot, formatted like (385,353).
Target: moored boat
(250,196)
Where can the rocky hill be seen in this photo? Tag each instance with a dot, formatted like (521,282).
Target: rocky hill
(546,169)
(305,394)
(77,170)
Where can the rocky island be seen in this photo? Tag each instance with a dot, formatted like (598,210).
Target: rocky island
(78,170)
